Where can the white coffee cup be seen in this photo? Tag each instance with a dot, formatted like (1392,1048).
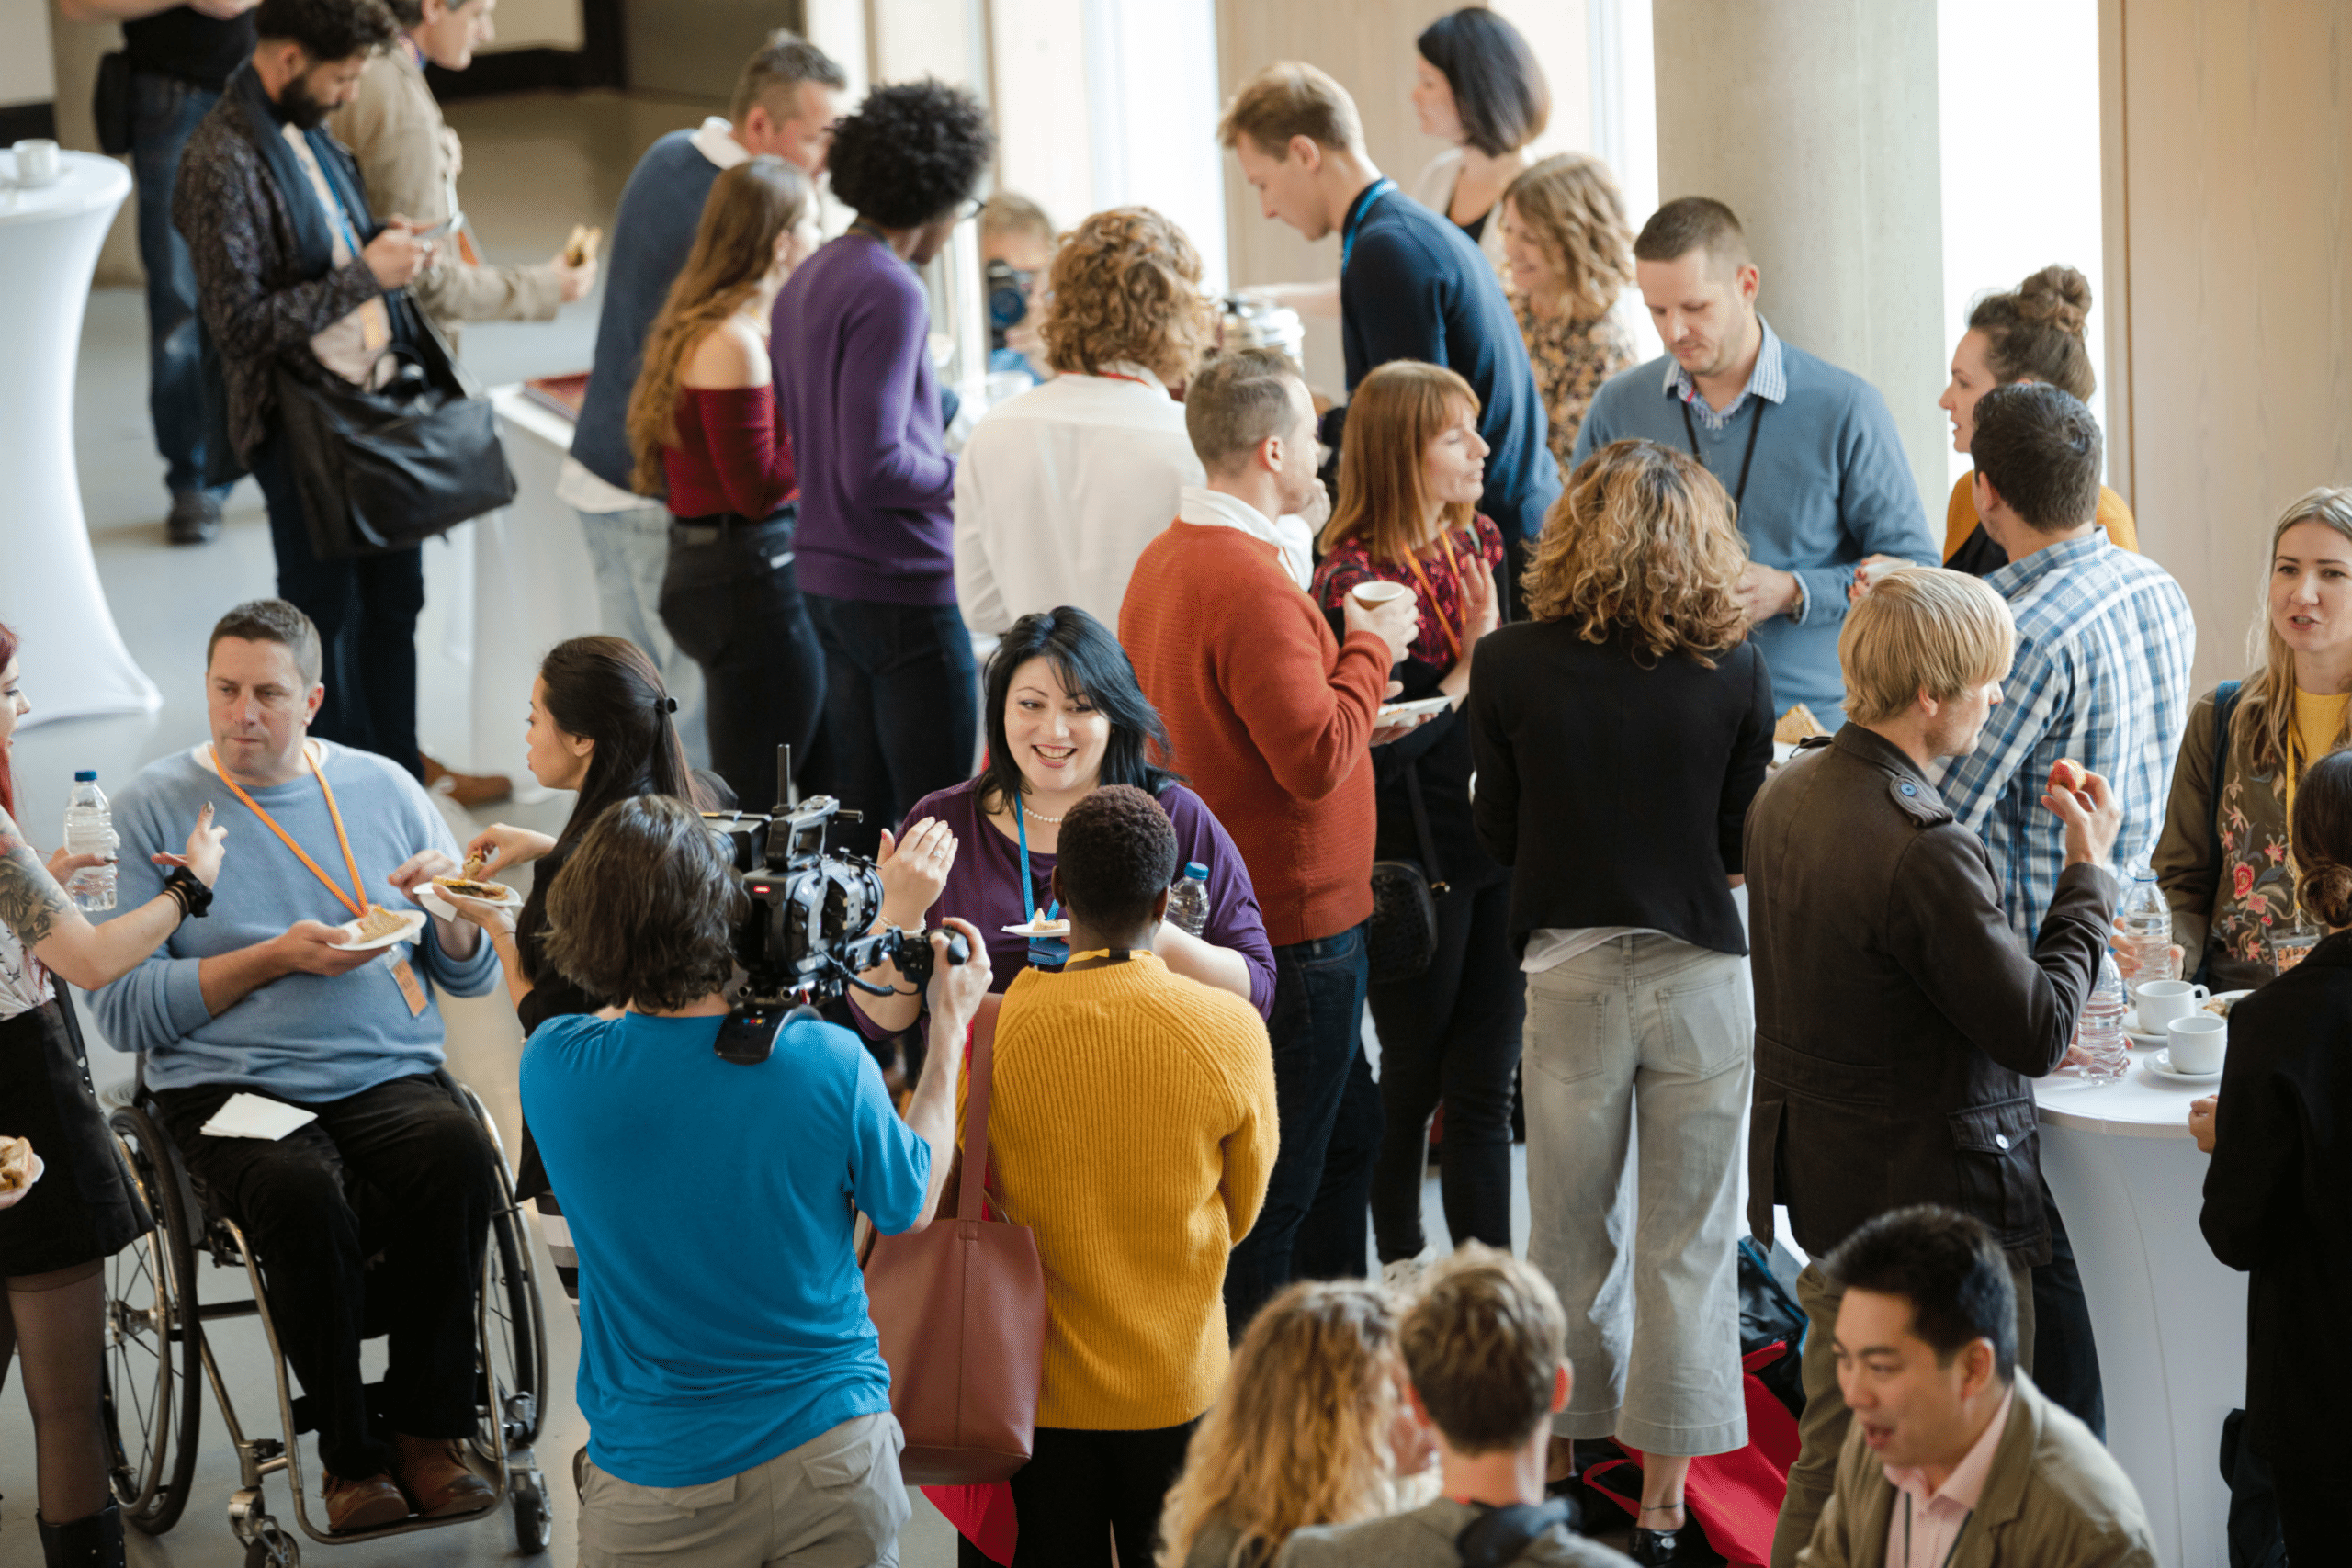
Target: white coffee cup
(2161,1002)
(36,161)
(1373,595)
(2197,1042)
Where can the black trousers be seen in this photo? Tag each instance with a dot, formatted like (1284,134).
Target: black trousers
(732,600)
(424,1156)
(365,610)
(1082,1490)
(2311,1502)
(2066,1350)
(902,708)
(1450,1034)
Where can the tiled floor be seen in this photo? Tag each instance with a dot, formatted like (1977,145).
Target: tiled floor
(534,166)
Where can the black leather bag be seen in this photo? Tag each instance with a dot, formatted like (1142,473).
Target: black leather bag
(385,470)
(111,104)
(1400,939)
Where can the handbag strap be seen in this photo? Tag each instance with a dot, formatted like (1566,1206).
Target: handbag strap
(976,1125)
(1422,828)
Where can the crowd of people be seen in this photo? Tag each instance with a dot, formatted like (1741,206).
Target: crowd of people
(1618,759)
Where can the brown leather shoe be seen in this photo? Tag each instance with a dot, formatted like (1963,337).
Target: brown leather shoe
(369,1503)
(467,790)
(436,1479)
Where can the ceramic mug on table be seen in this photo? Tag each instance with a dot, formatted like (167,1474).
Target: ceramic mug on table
(2196,1042)
(2161,1002)
(36,161)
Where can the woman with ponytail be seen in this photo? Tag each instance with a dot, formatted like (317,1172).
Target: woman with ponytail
(2281,1134)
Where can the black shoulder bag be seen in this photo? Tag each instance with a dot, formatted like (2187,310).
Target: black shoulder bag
(1400,939)
(2225,705)
(1499,1536)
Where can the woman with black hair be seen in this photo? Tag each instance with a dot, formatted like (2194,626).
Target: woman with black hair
(851,343)
(1065,717)
(1477,86)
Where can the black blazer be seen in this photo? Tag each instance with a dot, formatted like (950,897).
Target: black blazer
(2278,1202)
(1617,791)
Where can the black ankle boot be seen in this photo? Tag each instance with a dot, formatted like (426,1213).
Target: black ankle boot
(1685,1546)
(94,1542)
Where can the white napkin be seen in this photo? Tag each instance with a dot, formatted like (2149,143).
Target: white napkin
(255,1116)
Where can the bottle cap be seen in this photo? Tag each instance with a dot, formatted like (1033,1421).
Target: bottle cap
(85,776)
(1196,871)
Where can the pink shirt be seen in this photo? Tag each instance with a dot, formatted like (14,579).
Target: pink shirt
(1925,1526)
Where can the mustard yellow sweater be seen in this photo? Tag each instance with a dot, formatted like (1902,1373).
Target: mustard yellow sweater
(1133,1129)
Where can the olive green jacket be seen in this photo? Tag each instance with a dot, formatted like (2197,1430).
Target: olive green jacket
(2224,913)
(2053,1498)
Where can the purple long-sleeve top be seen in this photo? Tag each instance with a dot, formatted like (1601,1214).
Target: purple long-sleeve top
(984,887)
(851,344)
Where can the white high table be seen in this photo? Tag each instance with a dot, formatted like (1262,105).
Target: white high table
(2170,1320)
(49,592)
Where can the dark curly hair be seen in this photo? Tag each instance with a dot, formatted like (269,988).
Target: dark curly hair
(646,908)
(911,153)
(328,29)
(1116,856)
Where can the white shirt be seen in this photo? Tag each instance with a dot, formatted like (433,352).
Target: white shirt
(1434,189)
(1215,509)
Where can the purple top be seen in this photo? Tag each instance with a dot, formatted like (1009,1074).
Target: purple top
(984,887)
(850,343)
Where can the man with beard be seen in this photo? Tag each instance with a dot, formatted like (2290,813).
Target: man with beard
(292,273)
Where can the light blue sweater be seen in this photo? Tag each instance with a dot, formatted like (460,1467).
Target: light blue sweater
(1830,485)
(306,1038)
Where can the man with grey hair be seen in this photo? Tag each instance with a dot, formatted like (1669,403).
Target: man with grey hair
(1272,715)
(786,102)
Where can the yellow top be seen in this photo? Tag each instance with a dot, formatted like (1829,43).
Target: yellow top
(1133,1128)
(2319,719)
(1961,519)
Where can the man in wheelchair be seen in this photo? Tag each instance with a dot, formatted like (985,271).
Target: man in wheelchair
(269,997)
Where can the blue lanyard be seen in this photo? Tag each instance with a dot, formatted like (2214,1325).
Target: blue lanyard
(1357,212)
(1044,952)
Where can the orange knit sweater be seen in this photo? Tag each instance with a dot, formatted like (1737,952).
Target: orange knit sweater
(1133,1128)
(1268,716)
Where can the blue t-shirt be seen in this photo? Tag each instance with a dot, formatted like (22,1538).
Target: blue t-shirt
(723,1316)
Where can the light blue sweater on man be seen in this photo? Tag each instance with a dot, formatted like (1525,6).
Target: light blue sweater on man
(1830,485)
(307,1038)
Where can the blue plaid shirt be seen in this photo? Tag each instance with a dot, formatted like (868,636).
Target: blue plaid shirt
(2105,639)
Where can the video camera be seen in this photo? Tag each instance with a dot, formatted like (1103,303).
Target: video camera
(809,935)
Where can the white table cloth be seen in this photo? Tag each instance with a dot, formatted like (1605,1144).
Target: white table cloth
(2170,1320)
(50,591)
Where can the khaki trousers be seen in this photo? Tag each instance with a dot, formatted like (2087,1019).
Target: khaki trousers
(1821,1430)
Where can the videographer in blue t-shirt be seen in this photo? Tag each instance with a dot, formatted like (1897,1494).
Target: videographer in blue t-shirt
(738,1403)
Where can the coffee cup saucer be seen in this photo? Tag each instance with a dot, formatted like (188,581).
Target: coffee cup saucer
(2161,1065)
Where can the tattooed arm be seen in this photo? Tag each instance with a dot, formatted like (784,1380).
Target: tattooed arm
(44,919)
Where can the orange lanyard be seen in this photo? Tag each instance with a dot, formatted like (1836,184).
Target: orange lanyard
(1413,560)
(357,886)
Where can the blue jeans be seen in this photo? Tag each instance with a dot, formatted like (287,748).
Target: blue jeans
(1315,1223)
(164,114)
(902,709)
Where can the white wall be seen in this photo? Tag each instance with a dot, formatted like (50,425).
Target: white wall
(537,24)
(26,72)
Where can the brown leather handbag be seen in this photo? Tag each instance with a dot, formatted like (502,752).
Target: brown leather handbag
(960,1306)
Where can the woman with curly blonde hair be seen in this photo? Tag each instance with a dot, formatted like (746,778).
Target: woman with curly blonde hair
(1062,486)
(1619,735)
(1570,253)
(1313,1429)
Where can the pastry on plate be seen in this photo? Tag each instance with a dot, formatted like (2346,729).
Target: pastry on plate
(15,1163)
(380,922)
(1797,724)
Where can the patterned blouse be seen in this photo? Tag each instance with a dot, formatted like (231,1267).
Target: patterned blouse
(1438,583)
(1571,359)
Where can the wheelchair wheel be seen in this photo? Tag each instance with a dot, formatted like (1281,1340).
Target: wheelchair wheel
(271,1547)
(515,1360)
(534,1520)
(154,1401)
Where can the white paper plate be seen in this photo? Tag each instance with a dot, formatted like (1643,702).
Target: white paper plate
(1039,928)
(10,1200)
(1391,712)
(429,895)
(2161,1065)
(411,922)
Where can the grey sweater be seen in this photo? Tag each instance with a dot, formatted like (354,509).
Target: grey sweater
(1424,1539)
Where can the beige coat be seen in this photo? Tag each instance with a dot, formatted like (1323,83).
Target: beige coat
(2052,1499)
(406,153)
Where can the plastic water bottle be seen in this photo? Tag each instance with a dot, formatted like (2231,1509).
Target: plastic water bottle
(89,831)
(2101,1052)
(2148,928)
(1188,901)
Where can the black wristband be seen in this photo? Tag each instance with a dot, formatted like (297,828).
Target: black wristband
(195,899)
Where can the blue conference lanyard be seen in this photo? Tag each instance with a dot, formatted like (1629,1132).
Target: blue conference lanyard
(1044,952)
(1357,212)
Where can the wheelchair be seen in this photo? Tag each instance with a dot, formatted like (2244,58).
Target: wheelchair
(157,1334)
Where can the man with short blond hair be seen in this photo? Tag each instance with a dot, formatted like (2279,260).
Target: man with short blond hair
(1412,285)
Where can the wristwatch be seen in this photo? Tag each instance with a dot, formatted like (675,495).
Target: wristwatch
(195,897)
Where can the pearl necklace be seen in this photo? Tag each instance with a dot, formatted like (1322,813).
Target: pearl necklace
(1041,817)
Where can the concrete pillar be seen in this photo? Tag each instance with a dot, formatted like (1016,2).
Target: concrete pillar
(1815,120)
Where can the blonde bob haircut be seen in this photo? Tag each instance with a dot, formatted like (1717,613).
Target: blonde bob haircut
(1394,415)
(1570,206)
(2264,718)
(1291,98)
(1642,545)
(1922,630)
(1126,288)
(1302,1432)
